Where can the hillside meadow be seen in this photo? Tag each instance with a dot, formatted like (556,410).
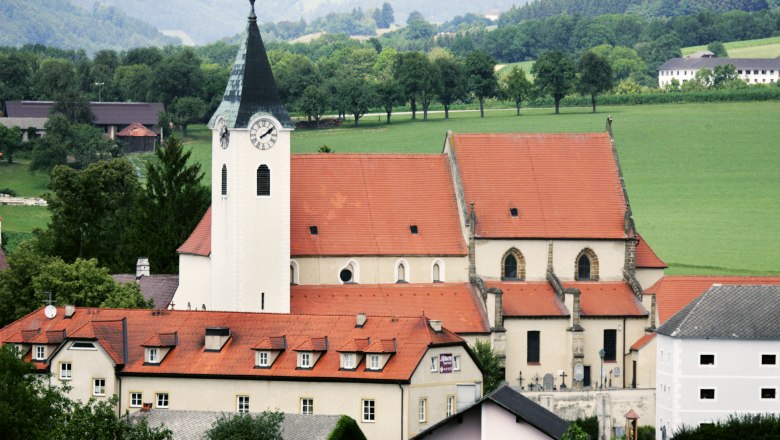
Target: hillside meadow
(761,48)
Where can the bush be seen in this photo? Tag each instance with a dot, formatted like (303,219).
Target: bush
(590,425)
(8,191)
(266,425)
(747,426)
(646,433)
(346,429)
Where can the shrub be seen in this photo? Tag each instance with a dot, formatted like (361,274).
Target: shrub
(346,429)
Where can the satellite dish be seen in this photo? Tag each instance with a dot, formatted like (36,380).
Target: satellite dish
(579,372)
(50,311)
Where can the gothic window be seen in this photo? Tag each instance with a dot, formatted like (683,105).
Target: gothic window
(401,270)
(263,180)
(587,266)
(437,271)
(294,273)
(513,265)
(224,180)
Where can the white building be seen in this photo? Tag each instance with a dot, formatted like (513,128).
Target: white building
(717,357)
(750,70)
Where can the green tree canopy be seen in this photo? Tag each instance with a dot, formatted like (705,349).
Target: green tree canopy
(188,110)
(718,49)
(595,76)
(491,366)
(347,429)
(85,143)
(314,102)
(417,77)
(452,85)
(10,138)
(266,425)
(480,76)
(554,75)
(516,86)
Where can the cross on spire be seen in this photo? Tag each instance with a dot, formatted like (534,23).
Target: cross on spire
(252,16)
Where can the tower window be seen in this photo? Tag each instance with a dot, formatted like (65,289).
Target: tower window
(224,180)
(263,180)
(413,228)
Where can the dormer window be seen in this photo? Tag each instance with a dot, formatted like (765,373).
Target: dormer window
(373,362)
(152,356)
(513,212)
(39,353)
(268,350)
(262,359)
(348,361)
(304,360)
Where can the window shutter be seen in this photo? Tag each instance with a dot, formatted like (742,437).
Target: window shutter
(263,180)
(224,180)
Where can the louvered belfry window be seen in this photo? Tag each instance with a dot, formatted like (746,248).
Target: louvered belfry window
(224,180)
(263,180)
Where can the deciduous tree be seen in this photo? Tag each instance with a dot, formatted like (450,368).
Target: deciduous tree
(10,138)
(389,94)
(188,110)
(595,76)
(554,75)
(266,425)
(491,366)
(452,85)
(416,76)
(516,86)
(480,74)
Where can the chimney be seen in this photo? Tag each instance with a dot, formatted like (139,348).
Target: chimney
(435,325)
(216,337)
(70,311)
(361,320)
(142,268)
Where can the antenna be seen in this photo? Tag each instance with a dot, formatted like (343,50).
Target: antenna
(50,311)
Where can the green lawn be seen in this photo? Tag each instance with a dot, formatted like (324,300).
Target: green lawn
(762,48)
(17,177)
(525,65)
(23,218)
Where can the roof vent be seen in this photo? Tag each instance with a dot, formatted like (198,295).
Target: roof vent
(313,230)
(513,212)
(413,229)
(70,310)
(216,337)
(435,325)
(361,320)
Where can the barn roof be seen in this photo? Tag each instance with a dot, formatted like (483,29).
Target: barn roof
(106,113)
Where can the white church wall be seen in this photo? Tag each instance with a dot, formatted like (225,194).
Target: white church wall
(381,270)
(554,349)
(647,277)
(194,282)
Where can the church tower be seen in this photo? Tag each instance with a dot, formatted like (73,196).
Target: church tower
(250,187)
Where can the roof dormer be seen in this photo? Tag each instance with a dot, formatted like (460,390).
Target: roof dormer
(352,353)
(216,338)
(158,346)
(309,352)
(268,349)
(379,353)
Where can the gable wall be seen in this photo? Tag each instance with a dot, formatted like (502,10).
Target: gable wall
(86,365)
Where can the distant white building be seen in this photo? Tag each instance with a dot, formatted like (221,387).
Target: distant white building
(719,356)
(750,70)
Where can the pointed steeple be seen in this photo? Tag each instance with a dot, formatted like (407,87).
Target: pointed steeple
(251,88)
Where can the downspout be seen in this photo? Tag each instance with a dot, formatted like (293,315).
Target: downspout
(402,410)
(624,352)
(119,378)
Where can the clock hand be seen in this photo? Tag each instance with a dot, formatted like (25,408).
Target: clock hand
(266,133)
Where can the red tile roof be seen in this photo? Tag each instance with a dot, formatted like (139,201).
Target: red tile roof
(49,337)
(564,185)
(365,204)
(161,340)
(355,345)
(199,242)
(607,299)
(413,336)
(642,342)
(646,258)
(271,343)
(136,129)
(313,344)
(381,346)
(530,299)
(458,306)
(672,293)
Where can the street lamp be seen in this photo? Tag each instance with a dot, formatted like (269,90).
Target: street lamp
(601,370)
(100,90)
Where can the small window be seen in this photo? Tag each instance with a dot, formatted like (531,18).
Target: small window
(136,400)
(263,180)
(83,346)
(513,212)
(373,362)
(768,359)
(369,410)
(510,266)
(436,273)
(450,405)
(162,400)
(242,404)
(40,353)
(153,358)
(706,359)
(304,360)
(262,301)
(413,229)
(345,275)
(401,272)
(307,406)
(532,356)
(434,364)
(456,363)
(66,371)
(768,393)
(513,265)
(348,361)
(610,345)
(313,230)
(583,268)
(224,180)
(707,394)
(586,266)
(422,411)
(99,387)
(262,359)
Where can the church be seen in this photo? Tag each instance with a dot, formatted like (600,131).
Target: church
(525,240)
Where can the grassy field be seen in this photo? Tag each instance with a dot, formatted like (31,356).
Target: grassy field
(504,69)
(17,177)
(763,48)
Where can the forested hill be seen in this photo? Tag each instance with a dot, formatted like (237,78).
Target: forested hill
(59,23)
(646,8)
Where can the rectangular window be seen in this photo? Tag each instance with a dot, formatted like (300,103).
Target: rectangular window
(262,358)
(242,404)
(369,410)
(66,371)
(136,400)
(768,359)
(456,363)
(99,387)
(422,411)
(40,353)
(533,347)
(153,355)
(610,345)
(83,346)
(307,406)
(348,361)
(707,394)
(162,400)
(706,359)
(768,393)
(434,364)
(450,405)
(373,362)
(305,359)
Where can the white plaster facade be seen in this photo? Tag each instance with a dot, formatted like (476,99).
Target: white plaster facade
(380,269)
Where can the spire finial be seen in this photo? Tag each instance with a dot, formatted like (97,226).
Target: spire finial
(252,16)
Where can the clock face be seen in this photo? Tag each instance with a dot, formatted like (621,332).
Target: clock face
(224,135)
(263,134)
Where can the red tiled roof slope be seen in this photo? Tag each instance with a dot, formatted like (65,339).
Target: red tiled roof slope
(413,336)
(642,342)
(456,305)
(672,293)
(563,185)
(607,299)
(136,129)
(364,204)
(646,257)
(199,242)
(530,299)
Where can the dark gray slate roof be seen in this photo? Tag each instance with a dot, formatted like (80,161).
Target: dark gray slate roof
(159,288)
(729,312)
(24,123)
(192,425)
(519,405)
(106,113)
(710,63)
(251,87)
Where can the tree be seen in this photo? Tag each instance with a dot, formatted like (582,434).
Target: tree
(718,49)
(188,110)
(452,79)
(574,432)
(361,96)
(266,425)
(9,141)
(416,76)
(294,73)
(74,106)
(595,76)
(346,429)
(384,17)
(133,81)
(17,294)
(725,76)
(54,77)
(491,366)
(169,208)
(554,75)
(480,76)
(178,75)
(389,94)
(515,86)
(314,102)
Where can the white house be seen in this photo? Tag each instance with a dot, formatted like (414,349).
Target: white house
(718,356)
(750,70)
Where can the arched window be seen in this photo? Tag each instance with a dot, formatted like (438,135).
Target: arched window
(263,180)
(436,273)
(350,273)
(224,180)
(401,269)
(294,272)
(513,265)
(586,266)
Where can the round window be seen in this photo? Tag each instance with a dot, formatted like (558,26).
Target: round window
(345,275)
